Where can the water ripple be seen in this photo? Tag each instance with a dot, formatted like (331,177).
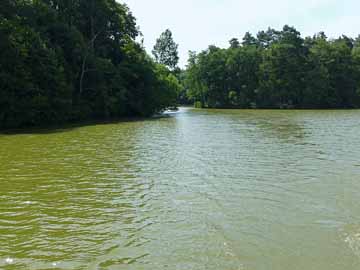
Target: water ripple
(202,189)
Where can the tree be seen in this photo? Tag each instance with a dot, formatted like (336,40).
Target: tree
(234,43)
(347,41)
(248,39)
(279,69)
(74,60)
(166,50)
(195,88)
(357,42)
(266,38)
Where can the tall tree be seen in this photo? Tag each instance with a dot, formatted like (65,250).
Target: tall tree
(166,50)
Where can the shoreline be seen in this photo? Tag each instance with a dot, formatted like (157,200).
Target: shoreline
(45,129)
(53,128)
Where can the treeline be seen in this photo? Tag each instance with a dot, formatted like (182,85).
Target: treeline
(277,69)
(72,60)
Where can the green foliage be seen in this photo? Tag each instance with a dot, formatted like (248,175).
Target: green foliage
(249,40)
(66,61)
(198,104)
(166,50)
(234,43)
(214,73)
(278,69)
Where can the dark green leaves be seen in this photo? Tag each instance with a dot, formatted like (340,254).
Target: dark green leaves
(69,60)
(278,69)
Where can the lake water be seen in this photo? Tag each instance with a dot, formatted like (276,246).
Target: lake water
(199,189)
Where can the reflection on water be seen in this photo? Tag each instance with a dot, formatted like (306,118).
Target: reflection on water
(352,238)
(201,189)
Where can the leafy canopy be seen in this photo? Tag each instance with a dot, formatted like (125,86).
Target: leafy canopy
(166,50)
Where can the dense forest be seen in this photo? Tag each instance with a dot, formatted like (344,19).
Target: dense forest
(277,69)
(75,60)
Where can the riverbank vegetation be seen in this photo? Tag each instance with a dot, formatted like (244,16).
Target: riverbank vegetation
(277,69)
(67,61)
(71,61)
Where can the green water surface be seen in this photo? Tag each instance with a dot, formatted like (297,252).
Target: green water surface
(200,189)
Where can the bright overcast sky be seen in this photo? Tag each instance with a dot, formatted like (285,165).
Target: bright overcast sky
(198,23)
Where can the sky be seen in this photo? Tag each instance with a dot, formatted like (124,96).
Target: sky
(196,24)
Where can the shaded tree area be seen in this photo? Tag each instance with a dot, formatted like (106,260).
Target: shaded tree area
(73,60)
(277,69)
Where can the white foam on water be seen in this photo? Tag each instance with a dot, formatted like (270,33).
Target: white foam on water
(9,260)
(28,202)
(352,238)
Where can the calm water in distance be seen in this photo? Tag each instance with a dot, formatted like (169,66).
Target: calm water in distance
(200,189)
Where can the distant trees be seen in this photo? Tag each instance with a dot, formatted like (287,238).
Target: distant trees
(166,50)
(72,60)
(66,61)
(277,69)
